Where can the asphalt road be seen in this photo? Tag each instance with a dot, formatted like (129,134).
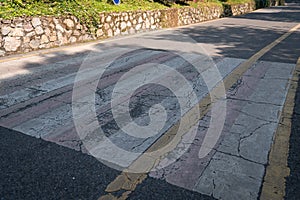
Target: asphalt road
(36,169)
(66,131)
(293,186)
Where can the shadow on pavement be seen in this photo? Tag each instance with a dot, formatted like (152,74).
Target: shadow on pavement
(284,14)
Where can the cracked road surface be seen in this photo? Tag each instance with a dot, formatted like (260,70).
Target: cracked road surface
(61,110)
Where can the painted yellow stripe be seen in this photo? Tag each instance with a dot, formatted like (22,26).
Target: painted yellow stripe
(277,169)
(128,181)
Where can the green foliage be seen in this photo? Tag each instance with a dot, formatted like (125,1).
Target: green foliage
(231,2)
(205,3)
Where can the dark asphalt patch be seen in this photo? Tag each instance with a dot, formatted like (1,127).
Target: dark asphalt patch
(154,189)
(293,181)
(35,169)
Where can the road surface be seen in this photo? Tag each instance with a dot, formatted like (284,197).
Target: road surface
(195,112)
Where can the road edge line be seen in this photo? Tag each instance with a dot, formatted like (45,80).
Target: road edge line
(277,169)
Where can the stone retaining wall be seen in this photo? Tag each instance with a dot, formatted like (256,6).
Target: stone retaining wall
(240,9)
(28,34)
(195,15)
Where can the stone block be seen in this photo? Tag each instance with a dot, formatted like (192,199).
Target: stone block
(5,30)
(69,23)
(39,30)
(11,43)
(36,22)
(34,44)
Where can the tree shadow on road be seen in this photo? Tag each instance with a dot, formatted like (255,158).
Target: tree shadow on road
(282,13)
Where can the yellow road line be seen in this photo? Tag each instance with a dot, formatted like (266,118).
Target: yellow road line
(277,169)
(128,181)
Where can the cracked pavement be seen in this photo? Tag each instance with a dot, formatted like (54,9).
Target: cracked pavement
(43,155)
